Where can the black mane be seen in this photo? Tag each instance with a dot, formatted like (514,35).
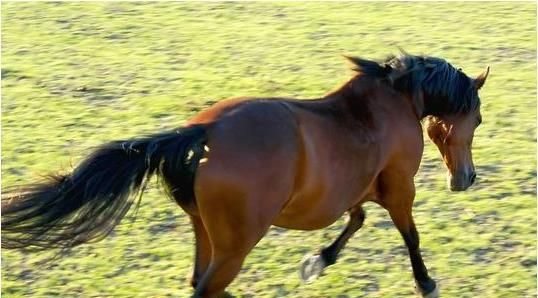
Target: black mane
(436,86)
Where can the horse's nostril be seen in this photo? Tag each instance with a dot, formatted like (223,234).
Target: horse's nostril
(473,177)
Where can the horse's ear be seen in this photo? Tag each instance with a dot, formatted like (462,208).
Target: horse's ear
(350,59)
(402,51)
(481,79)
(369,67)
(357,61)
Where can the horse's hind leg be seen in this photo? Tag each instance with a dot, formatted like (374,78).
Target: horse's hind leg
(202,250)
(233,229)
(226,260)
(224,267)
(313,266)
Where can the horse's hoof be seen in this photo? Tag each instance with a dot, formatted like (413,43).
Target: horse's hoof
(311,268)
(431,294)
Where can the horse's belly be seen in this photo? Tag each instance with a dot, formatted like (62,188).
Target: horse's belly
(313,210)
(324,196)
(308,220)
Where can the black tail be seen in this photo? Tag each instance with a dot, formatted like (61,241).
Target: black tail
(88,203)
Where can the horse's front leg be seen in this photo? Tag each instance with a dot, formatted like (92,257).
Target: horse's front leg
(403,220)
(312,266)
(399,205)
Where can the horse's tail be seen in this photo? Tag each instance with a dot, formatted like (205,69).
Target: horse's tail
(87,204)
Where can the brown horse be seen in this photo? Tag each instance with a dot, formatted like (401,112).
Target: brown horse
(246,164)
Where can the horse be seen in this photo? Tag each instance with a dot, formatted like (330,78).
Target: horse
(245,164)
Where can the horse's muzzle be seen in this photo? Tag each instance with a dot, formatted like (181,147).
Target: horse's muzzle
(461,181)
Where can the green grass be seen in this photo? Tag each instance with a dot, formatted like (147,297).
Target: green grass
(75,75)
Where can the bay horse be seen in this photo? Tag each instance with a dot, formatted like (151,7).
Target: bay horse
(245,164)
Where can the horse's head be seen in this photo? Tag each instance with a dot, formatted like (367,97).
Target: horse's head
(453,135)
(446,97)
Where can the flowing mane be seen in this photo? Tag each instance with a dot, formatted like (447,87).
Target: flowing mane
(436,86)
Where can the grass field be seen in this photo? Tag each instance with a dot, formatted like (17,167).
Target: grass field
(75,75)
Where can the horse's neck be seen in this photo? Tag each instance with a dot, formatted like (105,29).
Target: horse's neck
(364,98)
(356,102)
(364,88)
